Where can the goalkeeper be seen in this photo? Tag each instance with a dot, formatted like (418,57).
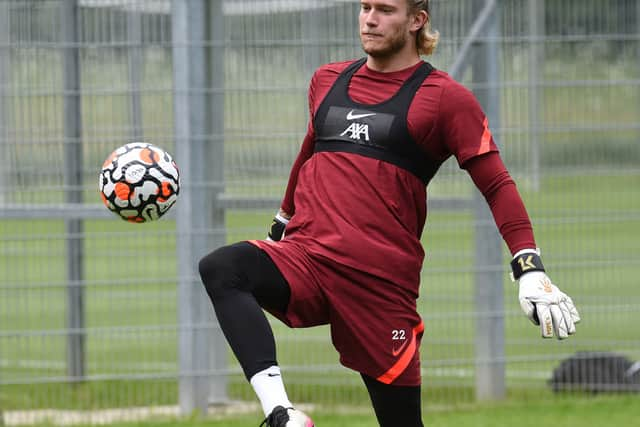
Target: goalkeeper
(344,249)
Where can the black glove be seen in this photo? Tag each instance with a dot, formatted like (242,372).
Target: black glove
(276,231)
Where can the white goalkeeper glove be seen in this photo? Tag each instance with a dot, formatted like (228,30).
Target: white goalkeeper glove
(543,303)
(276,231)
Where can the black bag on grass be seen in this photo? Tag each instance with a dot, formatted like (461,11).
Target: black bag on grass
(596,372)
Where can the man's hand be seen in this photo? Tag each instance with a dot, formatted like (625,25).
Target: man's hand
(547,306)
(542,302)
(279,223)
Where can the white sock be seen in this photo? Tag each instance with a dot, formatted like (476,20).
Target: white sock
(270,390)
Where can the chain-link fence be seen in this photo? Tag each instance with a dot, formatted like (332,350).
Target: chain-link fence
(98,313)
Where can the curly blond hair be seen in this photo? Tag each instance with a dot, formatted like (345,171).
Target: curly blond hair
(426,39)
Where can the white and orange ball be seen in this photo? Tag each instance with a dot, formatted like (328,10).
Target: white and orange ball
(139,182)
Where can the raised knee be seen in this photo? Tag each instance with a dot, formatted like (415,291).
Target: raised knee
(212,272)
(219,271)
(207,266)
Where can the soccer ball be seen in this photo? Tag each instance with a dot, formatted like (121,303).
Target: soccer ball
(139,182)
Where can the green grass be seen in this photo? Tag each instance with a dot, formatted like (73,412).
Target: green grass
(568,411)
(578,412)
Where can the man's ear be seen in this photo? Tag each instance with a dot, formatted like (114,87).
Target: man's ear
(419,20)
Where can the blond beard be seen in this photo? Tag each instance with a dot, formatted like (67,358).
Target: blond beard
(395,45)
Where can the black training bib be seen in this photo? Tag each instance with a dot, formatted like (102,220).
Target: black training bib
(379,130)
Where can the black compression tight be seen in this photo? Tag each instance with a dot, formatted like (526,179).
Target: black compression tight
(395,405)
(240,279)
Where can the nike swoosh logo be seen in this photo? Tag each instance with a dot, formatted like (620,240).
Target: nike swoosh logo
(399,350)
(351,116)
(273,375)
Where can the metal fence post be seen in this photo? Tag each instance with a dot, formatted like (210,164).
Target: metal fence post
(489,345)
(536,89)
(5,172)
(199,147)
(215,175)
(638,55)
(314,23)
(74,228)
(135,61)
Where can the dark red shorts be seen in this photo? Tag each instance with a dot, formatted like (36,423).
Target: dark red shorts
(374,324)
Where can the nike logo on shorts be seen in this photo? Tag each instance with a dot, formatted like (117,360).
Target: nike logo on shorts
(397,351)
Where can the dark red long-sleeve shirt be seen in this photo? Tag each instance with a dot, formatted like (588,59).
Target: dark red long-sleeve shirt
(369,214)
(459,116)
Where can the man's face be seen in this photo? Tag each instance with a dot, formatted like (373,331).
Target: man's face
(384,26)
